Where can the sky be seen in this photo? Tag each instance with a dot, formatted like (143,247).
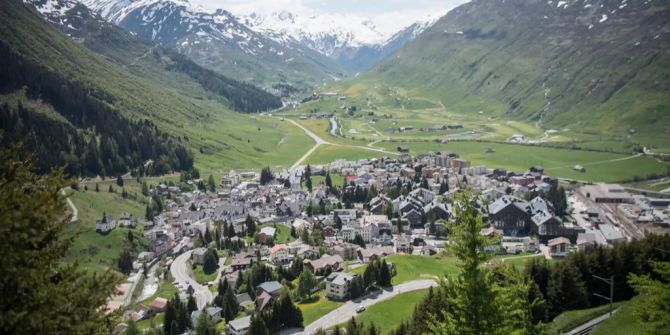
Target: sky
(387,15)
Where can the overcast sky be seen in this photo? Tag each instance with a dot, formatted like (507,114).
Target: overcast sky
(388,15)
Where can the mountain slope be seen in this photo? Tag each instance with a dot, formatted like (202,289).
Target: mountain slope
(218,41)
(592,65)
(128,103)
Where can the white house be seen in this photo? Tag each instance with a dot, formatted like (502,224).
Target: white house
(105,225)
(559,247)
(337,285)
(280,255)
(238,326)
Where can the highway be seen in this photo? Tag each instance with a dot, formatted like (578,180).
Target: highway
(346,311)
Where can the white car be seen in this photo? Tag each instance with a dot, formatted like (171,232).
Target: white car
(360,309)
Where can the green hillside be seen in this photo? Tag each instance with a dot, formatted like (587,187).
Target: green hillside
(136,85)
(589,66)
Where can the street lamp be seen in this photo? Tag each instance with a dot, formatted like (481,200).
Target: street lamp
(609,281)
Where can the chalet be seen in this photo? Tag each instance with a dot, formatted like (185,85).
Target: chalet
(368,254)
(106,224)
(266,233)
(325,264)
(213,312)
(559,247)
(344,250)
(511,215)
(241,263)
(414,217)
(238,326)
(266,293)
(402,244)
(198,255)
(279,255)
(158,305)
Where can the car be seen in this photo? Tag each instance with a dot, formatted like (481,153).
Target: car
(360,309)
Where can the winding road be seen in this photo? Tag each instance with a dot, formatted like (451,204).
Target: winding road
(71,204)
(181,271)
(346,311)
(320,141)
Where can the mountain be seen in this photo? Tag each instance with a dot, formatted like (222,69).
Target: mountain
(591,65)
(218,41)
(352,41)
(104,101)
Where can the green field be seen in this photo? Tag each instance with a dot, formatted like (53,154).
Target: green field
(328,153)
(411,267)
(317,307)
(388,314)
(569,320)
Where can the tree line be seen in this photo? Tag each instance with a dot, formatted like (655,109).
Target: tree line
(243,97)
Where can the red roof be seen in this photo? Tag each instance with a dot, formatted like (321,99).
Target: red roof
(278,247)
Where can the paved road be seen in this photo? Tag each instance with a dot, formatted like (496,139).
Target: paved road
(71,204)
(181,271)
(333,127)
(346,311)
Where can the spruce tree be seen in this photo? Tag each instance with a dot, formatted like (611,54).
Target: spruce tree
(230,305)
(258,326)
(211,184)
(306,283)
(205,325)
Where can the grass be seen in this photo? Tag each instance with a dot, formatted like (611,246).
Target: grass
(411,267)
(202,277)
(623,322)
(328,153)
(567,321)
(317,307)
(390,313)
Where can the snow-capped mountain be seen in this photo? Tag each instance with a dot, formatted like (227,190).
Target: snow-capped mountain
(217,40)
(353,41)
(325,33)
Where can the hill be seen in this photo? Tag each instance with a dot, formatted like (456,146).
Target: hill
(591,65)
(103,101)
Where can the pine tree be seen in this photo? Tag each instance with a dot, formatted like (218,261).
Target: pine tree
(130,236)
(308,183)
(652,308)
(230,305)
(329,182)
(97,187)
(111,189)
(384,274)
(191,304)
(132,328)
(145,189)
(257,326)
(210,262)
(119,181)
(306,283)
(205,325)
(211,184)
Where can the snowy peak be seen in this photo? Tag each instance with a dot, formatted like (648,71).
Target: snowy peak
(324,33)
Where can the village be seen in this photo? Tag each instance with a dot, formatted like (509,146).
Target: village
(280,225)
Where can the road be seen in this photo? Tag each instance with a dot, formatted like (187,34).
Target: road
(71,204)
(319,142)
(346,311)
(588,327)
(150,284)
(181,271)
(333,127)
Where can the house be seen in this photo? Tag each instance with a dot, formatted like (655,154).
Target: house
(325,264)
(213,312)
(266,233)
(368,254)
(559,247)
(238,326)
(106,224)
(337,285)
(198,255)
(245,301)
(158,305)
(402,244)
(586,241)
(241,263)
(414,217)
(511,215)
(280,255)
(344,250)
(266,293)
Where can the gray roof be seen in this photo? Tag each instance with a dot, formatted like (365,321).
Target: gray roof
(506,201)
(241,323)
(270,286)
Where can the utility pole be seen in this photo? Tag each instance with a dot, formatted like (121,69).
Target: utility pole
(610,281)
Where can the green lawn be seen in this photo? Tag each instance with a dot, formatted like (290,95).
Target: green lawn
(328,153)
(337,179)
(388,314)
(317,307)
(623,322)
(411,267)
(283,234)
(567,321)
(202,277)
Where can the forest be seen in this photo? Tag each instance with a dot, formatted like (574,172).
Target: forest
(243,97)
(95,139)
